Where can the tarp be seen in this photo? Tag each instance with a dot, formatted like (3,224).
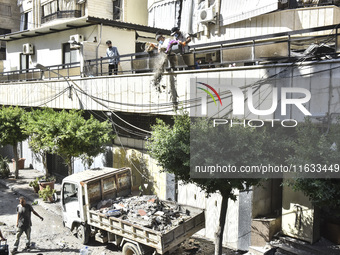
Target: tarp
(233,11)
(164,14)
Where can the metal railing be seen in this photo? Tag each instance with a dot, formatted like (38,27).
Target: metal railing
(32,74)
(60,15)
(273,48)
(137,63)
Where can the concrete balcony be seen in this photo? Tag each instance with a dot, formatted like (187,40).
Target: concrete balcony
(136,93)
(261,65)
(61,15)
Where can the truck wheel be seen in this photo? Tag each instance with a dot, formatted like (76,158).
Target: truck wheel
(130,249)
(83,234)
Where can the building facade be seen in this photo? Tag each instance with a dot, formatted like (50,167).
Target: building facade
(10,22)
(284,43)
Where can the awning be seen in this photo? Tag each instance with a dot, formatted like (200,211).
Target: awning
(78,23)
(233,11)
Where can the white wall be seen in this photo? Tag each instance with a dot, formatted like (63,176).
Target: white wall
(138,89)
(100,8)
(136,12)
(123,39)
(190,194)
(31,158)
(48,48)
(275,22)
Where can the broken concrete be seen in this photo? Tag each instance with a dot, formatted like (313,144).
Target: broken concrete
(147,211)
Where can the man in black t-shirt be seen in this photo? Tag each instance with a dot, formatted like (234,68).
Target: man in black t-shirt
(24,223)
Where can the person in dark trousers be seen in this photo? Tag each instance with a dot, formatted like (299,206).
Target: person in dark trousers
(113,54)
(2,238)
(211,63)
(24,223)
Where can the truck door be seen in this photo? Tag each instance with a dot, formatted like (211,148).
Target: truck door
(70,204)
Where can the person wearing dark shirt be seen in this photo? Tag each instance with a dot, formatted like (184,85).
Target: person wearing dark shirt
(24,223)
(113,54)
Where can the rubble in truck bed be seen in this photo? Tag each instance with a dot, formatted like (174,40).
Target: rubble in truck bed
(147,211)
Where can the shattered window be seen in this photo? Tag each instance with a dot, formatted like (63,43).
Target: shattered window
(50,8)
(109,184)
(70,193)
(116,9)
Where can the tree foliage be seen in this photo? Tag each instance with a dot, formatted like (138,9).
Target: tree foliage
(170,145)
(12,125)
(68,134)
(40,127)
(315,146)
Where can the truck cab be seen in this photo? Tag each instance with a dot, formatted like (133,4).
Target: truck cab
(87,197)
(82,191)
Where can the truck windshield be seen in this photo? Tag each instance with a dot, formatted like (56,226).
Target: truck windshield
(70,192)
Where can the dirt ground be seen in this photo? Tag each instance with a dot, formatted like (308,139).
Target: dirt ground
(200,246)
(48,237)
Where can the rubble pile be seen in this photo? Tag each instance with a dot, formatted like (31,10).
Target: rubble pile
(147,211)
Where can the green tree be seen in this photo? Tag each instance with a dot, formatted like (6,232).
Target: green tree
(95,135)
(68,134)
(12,124)
(40,127)
(77,137)
(171,147)
(315,146)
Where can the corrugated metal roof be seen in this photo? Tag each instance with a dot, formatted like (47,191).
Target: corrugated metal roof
(78,23)
(160,2)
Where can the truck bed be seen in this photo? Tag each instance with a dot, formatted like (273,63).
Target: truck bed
(162,241)
(117,184)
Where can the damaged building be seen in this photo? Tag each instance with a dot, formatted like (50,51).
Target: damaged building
(245,40)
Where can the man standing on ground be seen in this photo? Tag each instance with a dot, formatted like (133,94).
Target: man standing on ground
(24,223)
(112,53)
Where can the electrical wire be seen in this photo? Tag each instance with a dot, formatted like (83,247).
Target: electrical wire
(103,105)
(256,85)
(121,144)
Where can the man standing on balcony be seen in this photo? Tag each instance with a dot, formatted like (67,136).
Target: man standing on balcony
(113,54)
(178,35)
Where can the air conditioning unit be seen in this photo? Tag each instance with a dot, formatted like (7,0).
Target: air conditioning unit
(77,38)
(208,14)
(75,41)
(28,49)
(81,1)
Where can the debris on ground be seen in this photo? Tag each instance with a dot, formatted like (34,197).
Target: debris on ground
(200,246)
(147,211)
